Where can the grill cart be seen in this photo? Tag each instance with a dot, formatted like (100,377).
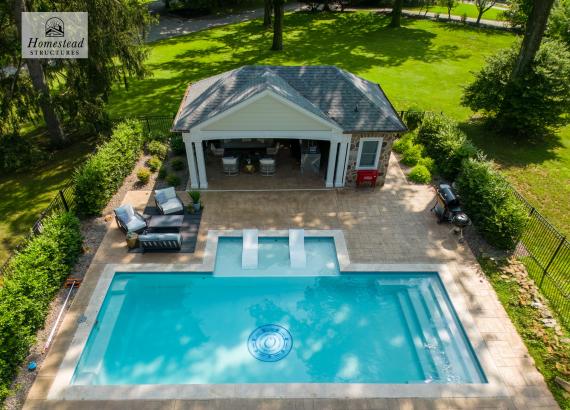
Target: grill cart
(448,209)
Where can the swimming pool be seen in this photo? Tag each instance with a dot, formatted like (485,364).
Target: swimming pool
(273,325)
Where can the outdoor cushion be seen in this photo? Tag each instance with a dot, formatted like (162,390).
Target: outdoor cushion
(135,224)
(163,195)
(125,213)
(171,206)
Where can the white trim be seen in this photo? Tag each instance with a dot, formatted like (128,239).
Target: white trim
(201,164)
(360,144)
(341,165)
(305,135)
(329,180)
(329,123)
(191,161)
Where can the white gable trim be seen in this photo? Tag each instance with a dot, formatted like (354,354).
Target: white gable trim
(328,123)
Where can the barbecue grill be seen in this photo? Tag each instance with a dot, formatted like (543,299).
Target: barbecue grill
(448,209)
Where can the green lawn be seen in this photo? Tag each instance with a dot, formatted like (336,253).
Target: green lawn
(469,9)
(25,195)
(424,62)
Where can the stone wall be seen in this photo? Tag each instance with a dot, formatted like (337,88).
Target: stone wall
(388,140)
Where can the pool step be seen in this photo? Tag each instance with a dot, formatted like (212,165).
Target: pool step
(250,251)
(297,253)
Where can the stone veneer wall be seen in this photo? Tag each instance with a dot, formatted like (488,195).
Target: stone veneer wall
(388,140)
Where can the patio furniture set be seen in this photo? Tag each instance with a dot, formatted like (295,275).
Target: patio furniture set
(233,160)
(157,232)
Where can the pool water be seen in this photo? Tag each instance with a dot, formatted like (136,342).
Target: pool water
(189,328)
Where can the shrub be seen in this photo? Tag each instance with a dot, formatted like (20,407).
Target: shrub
(412,154)
(177,145)
(445,143)
(19,153)
(143,175)
(414,117)
(491,204)
(403,143)
(157,148)
(420,174)
(177,164)
(429,163)
(162,172)
(154,163)
(103,172)
(35,275)
(530,105)
(173,180)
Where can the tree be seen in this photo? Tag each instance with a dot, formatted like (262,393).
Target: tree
(396,13)
(84,85)
(482,7)
(534,32)
(538,100)
(267,13)
(518,12)
(449,4)
(559,23)
(38,79)
(278,25)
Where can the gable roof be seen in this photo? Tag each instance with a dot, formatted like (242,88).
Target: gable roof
(334,95)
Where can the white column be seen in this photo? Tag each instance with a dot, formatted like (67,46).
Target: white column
(330,167)
(339,176)
(191,161)
(201,165)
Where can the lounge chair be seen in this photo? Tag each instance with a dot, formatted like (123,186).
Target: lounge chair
(267,166)
(168,202)
(272,150)
(218,152)
(160,241)
(230,165)
(129,220)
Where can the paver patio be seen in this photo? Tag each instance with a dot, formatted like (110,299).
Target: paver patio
(388,225)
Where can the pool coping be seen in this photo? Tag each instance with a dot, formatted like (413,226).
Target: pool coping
(61,388)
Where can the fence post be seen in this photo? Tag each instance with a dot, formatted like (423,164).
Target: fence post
(64,201)
(148,125)
(551,260)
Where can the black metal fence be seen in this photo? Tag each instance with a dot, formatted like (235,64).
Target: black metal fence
(64,201)
(153,124)
(546,255)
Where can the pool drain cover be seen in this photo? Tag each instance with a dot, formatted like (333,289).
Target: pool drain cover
(270,343)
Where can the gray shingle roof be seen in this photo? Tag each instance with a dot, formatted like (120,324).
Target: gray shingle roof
(350,102)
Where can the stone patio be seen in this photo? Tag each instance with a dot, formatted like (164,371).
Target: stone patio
(388,225)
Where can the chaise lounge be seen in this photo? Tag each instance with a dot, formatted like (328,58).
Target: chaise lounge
(160,241)
(168,202)
(129,220)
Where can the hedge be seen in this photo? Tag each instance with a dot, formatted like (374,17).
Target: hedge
(445,143)
(103,172)
(490,203)
(36,274)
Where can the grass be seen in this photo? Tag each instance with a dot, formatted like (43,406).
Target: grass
(551,358)
(469,9)
(424,63)
(25,195)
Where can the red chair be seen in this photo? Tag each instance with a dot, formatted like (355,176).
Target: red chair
(369,175)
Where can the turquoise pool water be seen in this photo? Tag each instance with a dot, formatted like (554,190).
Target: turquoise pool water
(189,328)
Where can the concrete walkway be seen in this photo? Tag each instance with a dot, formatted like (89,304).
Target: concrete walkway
(172,26)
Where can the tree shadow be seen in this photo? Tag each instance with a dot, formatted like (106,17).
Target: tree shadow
(510,150)
(356,42)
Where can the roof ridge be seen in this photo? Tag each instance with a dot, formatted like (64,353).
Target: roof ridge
(345,74)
